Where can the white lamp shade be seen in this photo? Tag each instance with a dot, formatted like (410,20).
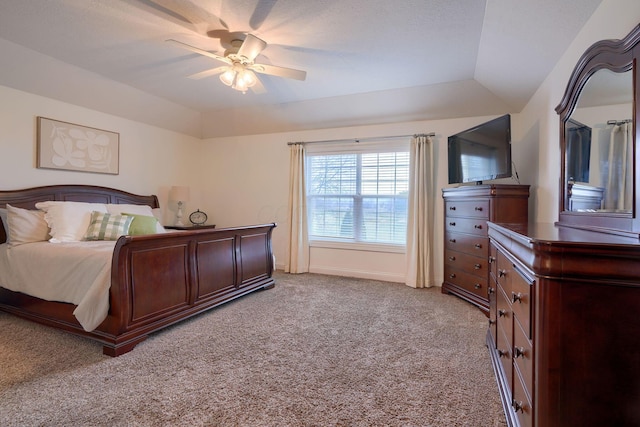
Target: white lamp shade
(179,193)
(228,77)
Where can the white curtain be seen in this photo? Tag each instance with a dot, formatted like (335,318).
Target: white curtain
(619,176)
(298,254)
(420,221)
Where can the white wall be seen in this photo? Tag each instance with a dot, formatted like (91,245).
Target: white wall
(244,180)
(249,179)
(237,181)
(538,125)
(535,138)
(151,159)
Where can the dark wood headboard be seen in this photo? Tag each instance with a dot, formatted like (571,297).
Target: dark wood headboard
(28,197)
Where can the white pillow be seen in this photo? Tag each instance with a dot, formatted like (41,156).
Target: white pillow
(119,209)
(69,220)
(26,226)
(3,217)
(157,212)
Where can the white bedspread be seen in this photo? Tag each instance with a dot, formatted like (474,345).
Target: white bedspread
(75,272)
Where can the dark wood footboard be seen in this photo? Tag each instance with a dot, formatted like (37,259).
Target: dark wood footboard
(156,280)
(161,279)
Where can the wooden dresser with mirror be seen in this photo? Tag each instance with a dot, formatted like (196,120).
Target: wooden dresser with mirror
(564,325)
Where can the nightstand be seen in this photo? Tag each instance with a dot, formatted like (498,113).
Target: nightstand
(189,227)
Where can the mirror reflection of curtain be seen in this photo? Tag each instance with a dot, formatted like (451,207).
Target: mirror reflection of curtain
(618,176)
(578,151)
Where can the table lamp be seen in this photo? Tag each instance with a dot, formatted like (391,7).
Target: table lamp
(179,194)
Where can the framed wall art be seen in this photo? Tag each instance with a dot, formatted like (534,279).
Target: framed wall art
(72,147)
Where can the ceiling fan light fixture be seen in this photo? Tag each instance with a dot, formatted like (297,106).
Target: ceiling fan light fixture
(228,77)
(239,78)
(240,85)
(248,77)
(238,73)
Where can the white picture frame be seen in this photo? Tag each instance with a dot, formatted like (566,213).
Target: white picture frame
(72,147)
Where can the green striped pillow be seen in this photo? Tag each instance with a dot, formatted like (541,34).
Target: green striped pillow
(105,226)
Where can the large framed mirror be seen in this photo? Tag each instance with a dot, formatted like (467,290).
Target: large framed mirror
(598,135)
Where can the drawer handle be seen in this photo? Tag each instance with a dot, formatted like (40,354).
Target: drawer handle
(517,406)
(492,322)
(477,246)
(518,352)
(478,226)
(503,353)
(477,266)
(491,260)
(491,290)
(453,224)
(452,240)
(502,273)
(477,286)
(479,208)
(516,297)
(452,258)
(452,208)
(502,313)
(452,276)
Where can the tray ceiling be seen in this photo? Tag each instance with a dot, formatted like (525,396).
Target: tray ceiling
(367,61)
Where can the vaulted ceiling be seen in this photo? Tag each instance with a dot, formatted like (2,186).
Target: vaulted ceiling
(367,61)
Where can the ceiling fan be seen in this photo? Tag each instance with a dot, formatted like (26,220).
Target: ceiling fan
(239,69)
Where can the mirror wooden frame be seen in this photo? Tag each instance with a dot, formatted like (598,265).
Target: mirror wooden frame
(618,56)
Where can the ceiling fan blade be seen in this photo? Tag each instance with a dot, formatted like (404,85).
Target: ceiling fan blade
(261,12)
(168,12)
(251,47)
(279,71)
(200,51)
(208,73)
(182,12)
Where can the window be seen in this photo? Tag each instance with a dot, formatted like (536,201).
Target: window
(358,197)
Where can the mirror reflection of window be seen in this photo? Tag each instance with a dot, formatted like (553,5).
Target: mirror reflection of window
(617,172)
(604,165)
(578,151)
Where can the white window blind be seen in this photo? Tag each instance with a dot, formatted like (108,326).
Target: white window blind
(359,196)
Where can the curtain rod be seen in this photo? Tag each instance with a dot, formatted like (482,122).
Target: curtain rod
(361,139)
(618,122)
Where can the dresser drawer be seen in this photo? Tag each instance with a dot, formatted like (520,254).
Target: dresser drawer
(471,208)
(503,349)
(521,300)
(466,225)
(471,264)
(523,357)
(493,261)
(504,271)
(504,315)
(493,312)
(520,402)
(470,282)
(469,243)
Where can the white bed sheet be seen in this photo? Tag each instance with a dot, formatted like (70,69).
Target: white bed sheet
(75,272)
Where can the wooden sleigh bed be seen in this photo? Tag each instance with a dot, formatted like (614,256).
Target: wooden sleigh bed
(157,279)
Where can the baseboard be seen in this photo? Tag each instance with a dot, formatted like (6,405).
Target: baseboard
(331,271)
(372,275)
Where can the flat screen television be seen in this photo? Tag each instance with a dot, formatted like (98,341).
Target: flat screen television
(481,153)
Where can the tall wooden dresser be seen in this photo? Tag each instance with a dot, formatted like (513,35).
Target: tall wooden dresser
(564,334)
(466,212)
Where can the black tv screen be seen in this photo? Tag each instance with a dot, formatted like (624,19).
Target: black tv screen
(481,153)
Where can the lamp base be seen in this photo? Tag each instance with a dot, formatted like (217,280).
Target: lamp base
(179,222)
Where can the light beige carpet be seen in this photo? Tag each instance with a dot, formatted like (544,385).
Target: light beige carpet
(314,351)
